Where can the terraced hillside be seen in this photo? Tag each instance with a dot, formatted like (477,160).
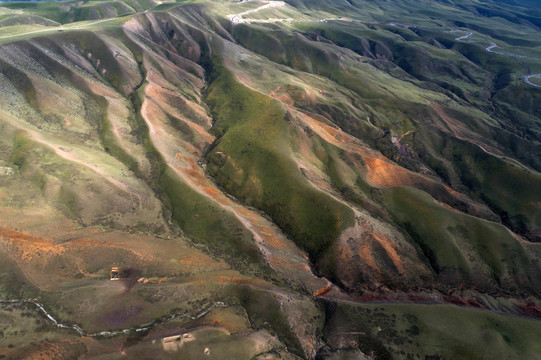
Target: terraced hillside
(273,179)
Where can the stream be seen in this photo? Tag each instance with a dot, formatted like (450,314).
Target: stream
(110,333)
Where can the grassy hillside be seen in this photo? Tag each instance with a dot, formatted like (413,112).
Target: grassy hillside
(250,160)
(405,331)
(263,172)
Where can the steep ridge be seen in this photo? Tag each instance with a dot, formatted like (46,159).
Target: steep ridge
(177,147)
(159,105)
(277,250)
(114,136)
(381,172)
(156,110)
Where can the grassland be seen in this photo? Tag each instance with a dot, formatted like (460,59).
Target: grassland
(459,248)
(221,163)
(22,328)
(250,161)
(447,332)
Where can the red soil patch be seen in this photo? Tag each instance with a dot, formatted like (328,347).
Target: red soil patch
(247,213)
(55,349)
(266,230)
(28,246)
(323,291)
(193,260)
(384,173)
(530,309)
(273,241)
(21,236)
(155,110)
(281,94)
(89,242)
(390,250)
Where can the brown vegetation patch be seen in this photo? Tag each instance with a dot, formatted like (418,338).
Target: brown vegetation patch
(28,246)
(197,260)
(323,291)
(280,93)
(55,349)
(384,173)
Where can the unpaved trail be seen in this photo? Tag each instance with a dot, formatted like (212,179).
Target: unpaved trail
(237,18)
(460,131)
(528,77)
(494,45)
(491,48)
(463,37)
(56,28)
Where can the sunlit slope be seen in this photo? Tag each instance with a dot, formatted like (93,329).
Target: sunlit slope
(112,86)
(261,165)
(250,148)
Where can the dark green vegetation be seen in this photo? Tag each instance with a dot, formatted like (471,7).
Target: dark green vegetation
(450,241)
(252,130)
(221,164)
(428,332)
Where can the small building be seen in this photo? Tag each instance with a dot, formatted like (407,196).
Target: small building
(115,273)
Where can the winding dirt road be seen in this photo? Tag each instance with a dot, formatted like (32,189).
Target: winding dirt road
(528,77)
(491,48)
(237,18)
(57,28)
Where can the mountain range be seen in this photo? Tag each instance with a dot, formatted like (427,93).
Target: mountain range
(291,179)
